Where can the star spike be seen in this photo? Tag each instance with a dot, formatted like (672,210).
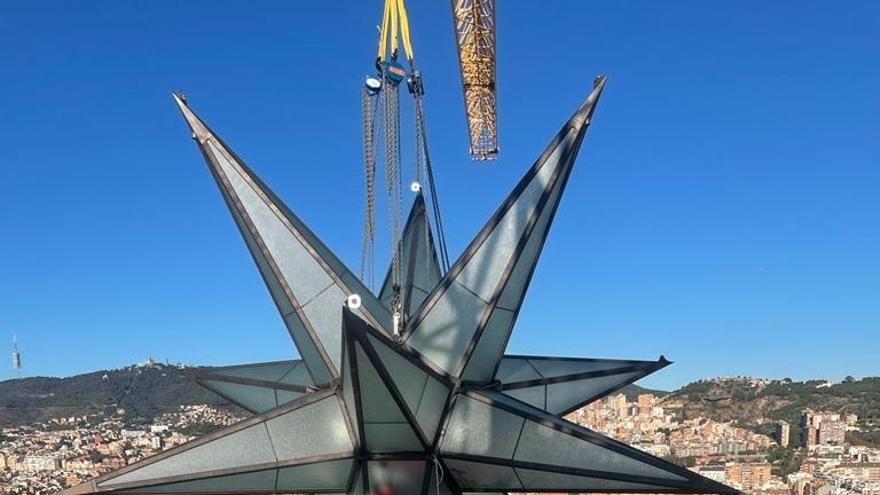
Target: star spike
(563,385)
(420,270)
(261,386)
(532,450)
(464,325)
(306,280)
(397,402)
(300,447)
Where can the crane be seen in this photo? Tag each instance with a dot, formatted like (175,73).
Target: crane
(474,23)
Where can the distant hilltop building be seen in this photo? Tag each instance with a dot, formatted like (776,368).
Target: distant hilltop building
(751,381)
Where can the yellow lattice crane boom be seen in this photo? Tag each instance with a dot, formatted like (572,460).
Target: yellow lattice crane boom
(475,35)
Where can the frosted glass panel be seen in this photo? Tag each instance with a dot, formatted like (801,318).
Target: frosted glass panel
(480,429)
(330,475)
(563,396)
(516,369)
(298,375)
(445,332)
(533,396)
(544,445)
(258,481)
(316,429)
(268,371)
(490,347)
(545,480)
(408,378)
(559,367)
(396,477)
(258,399)
(391,437)
(481,476)
(247,447)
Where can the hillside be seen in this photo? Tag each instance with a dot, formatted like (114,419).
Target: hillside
(142,391)
(758,406)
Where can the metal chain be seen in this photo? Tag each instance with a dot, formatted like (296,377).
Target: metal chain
(368,106)
(390,92)
(422,133)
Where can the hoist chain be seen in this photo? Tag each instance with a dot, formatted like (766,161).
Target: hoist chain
(368,104)
(390,105)
(423,153)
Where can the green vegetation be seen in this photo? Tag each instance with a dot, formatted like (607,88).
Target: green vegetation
(199,429)
(744,404)
(784,461)
(143,392)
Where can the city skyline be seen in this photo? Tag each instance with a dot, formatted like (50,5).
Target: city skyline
(722,236)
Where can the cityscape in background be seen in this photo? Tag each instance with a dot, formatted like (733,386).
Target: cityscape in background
(814,456)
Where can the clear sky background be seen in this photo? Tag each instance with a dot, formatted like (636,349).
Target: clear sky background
(723,212)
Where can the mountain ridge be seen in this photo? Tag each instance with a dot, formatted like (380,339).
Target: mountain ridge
(137,393)
(141,392)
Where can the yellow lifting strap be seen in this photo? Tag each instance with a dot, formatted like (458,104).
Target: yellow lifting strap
(393,16)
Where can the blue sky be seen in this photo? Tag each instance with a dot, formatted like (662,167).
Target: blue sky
(724,210)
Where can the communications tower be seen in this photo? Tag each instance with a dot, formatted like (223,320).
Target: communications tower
(16,357)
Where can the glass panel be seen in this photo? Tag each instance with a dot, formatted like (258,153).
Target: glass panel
(396,477)
(482,476)
(348,390)
(257,399)
(298,375)
(298,266)
(424,395)
(515,369)
(533,396)
(431,407)
(330,475)
(478,428)
(491,346)
(385,427)
(391,437)
(562,366)
(324,312)
(515,289)
(544,445)
(275,289)
(426,270)
(445,332)
(307,349)
(315,429)
(258,481)
(285,396)
(377,402)
(271,372)
(546,480)
(246,447)
(304,275)
(408,378)
(417,251)
(563,396)
(485,268)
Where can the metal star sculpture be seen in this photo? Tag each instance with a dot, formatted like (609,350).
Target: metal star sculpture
(438,409)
